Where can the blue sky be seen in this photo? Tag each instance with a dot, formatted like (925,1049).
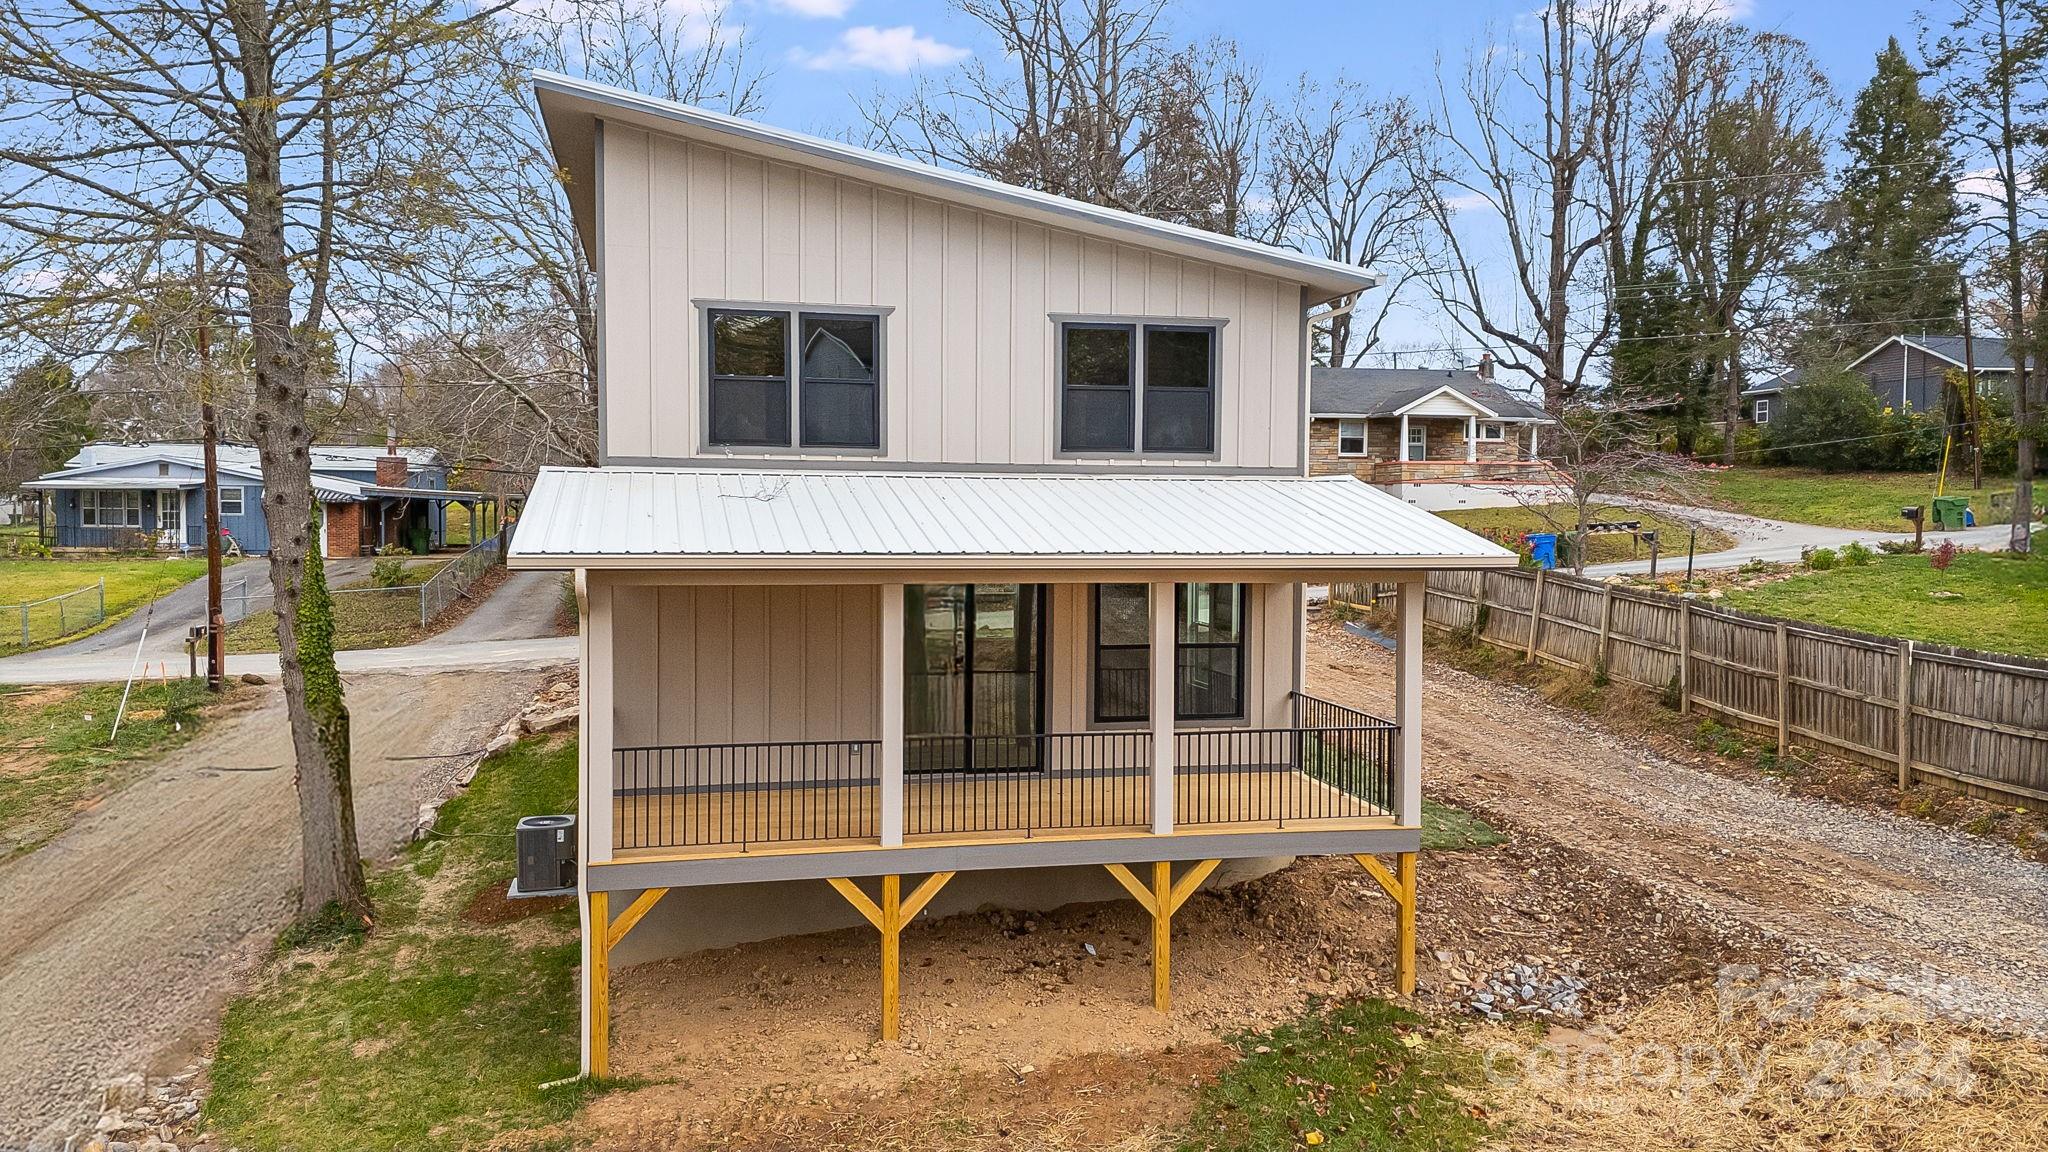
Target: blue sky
(825,55)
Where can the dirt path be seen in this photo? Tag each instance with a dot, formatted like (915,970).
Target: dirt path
(1951,918)
(120,940)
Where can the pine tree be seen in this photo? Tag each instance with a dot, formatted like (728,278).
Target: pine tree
(1889,267)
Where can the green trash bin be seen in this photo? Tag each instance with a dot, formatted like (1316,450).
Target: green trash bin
(1951,513)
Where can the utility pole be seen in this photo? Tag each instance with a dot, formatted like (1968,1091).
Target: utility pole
(216,620)
(1970,391)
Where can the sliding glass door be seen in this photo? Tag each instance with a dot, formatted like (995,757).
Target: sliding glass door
(974,662)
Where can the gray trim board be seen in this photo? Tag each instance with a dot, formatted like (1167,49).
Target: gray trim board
(824,460)
(630,877)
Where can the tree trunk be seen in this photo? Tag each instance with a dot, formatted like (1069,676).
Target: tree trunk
(331,867)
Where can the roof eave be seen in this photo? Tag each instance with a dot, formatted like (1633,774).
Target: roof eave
(571,109)
(915,562)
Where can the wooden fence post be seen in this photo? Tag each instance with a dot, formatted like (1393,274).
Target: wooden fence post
(1784,692)
(1905,714)
(1606,628)
(1479,607)
(1535,617)
(1685,657)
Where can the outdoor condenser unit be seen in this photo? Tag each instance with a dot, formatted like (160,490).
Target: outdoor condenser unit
(547,855)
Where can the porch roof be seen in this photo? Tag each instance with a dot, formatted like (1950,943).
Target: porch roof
(102,483)
(702,518)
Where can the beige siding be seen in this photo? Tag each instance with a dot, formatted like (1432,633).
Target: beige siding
(704,665)
(968,364)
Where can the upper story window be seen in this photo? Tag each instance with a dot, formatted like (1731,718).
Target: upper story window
(832,362)
(1763,411)
(1350,437)
(1137,387)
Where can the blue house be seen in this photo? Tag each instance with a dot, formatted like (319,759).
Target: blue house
(126,497)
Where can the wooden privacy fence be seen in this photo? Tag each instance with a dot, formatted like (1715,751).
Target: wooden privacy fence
(1975,719)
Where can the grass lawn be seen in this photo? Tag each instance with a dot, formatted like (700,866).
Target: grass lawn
(437,1029)
(55,754)
(1448,829)
(131,583)
(1867,500)
(1507,523)
(382,619)
(2000,603)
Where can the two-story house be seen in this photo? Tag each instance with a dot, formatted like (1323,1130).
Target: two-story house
(948,528)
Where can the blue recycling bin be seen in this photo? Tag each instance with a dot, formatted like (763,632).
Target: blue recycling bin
(1543,548)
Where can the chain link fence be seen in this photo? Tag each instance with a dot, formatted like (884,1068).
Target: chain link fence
(39,621)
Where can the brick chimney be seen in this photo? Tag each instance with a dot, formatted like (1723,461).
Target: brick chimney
(391,468)
(1486,365)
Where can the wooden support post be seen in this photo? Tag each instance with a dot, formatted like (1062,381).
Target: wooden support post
(1606,628)
(1685,657)
(1905,717)
(889,916)
(1535,617)
(1162,936)
(1784,691)
(598,975)
(1399,885)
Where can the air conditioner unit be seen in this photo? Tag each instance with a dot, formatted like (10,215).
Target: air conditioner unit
(547,856)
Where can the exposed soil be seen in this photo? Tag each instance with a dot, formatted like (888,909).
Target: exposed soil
(490,906)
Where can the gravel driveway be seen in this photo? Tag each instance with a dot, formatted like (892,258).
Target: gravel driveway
(1952,918)
(120,940)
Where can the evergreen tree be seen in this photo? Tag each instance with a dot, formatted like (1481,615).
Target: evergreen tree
(1896,214)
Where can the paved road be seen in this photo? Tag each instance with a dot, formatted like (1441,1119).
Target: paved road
(1779,540)
(120,939)
(428,656)
(522,607)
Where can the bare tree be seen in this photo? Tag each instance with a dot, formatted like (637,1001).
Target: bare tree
(1602,453)
(1341,177)
(1751,113)
(1553,144)
(295,142)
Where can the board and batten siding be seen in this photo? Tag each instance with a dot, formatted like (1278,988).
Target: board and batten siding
(969,372)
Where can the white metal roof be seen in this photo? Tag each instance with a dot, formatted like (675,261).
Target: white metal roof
(700,518)
(571,107)
(243,457)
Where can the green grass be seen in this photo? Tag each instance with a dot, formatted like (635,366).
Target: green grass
(1865,500)
(55,752)
(432,1031)
(2000,602)
(1448,829)
(131,583)
(383,619)
(1500,523)
(1364,1076)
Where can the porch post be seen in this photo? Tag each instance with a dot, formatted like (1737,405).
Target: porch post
(1471,439)
(1161,601)
(890,727)
(1532,439)
(1408,704)
(597,717)
(1401,449)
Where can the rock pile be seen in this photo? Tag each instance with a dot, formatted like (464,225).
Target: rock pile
(138,1117)
(1537,986)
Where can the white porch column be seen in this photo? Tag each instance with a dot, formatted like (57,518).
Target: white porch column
(598,720)
(1401,449)
(891,726)
(1471,439)
(1161,600)
(1408,704)
(1532,440)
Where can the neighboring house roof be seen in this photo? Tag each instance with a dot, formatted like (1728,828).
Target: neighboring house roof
(1990,352)
(571,109)
(1388,391)
(731,519)
(244,456)
(1771,386)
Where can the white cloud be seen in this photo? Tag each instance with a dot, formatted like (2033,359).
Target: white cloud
(815,9)
(898,49)
(1467,202)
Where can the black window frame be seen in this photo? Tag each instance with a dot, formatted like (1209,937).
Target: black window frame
(1135,441)
(1207,391)
(793,379)
(1240,604)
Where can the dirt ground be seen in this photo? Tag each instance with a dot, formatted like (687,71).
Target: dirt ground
(120,940)
(1037,1032)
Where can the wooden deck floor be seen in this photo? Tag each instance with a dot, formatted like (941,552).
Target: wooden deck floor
(957,808)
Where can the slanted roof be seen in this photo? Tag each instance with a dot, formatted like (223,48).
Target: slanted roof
(243,457)
(1990,352)
(702,518)
(572,108)
(1386,391)
(67,482)
(1773,385)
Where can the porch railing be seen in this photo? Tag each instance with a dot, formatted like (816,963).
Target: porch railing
(759,793)
(1027,784)
(1336,763)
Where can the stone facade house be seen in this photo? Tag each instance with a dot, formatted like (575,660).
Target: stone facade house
(1440,438)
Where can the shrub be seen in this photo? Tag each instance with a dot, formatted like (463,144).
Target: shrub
(1821,559)
(1943,556)
(1897,547)
(388,572)
(394,550)
(1831,421)
(1856,554)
